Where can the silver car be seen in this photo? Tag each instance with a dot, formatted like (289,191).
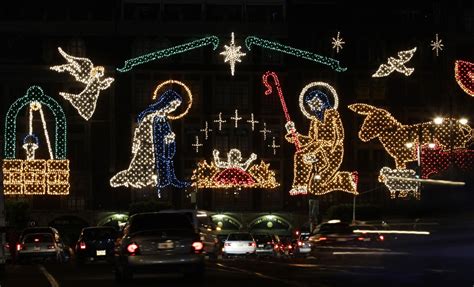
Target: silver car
(39,246)
(159,242)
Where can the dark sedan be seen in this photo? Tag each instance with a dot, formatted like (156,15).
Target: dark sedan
(96,243)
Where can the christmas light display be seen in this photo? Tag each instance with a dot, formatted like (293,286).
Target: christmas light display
(154,146)
(265,131)
(232,54)
(268,91)
(334,64)
(337,42)
(274,146)
(129,64)
(178,113)
(398,180)
(220,121)
(35,176)
(394,136)
(233,173)
(206,130)
(252,121)
(317,163)
(84,71)
(437,45)
(464,74)
(435,160)
(396,64)
(236,118)
(196,145)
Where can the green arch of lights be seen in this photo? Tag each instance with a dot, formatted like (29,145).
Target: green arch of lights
(35,93)
(269,217)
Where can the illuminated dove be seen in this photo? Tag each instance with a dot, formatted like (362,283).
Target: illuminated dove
(396,64)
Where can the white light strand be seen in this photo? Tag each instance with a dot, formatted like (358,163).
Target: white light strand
(252,121)
(274,146)
(337,42)
(46,133)
(396,64)
(206,130)
(232,54)
(264,131)
(220,121)
(236,118)
(196,145)
(437,45)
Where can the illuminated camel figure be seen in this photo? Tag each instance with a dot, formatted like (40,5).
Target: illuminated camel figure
(317,162)
(394,136)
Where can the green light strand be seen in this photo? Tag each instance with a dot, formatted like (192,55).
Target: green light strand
(334,64)
(35,94)
(130,63)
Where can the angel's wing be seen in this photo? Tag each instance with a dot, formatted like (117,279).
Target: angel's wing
(405,56)
(79,68)
(383,71)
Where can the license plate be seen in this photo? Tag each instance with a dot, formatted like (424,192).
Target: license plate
(260,245)
(341,239)
(36,248)
(100,253)
(166,245)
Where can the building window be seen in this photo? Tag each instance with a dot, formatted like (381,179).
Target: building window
(231,94)
(76,48)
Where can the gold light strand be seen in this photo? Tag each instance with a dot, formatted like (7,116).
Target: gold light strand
(396,64)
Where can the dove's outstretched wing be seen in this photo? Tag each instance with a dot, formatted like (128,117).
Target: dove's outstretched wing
(383,71)
(79,68)
(405,56)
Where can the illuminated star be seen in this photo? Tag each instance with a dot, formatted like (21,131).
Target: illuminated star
(232,54)
(337,42)
(437,45)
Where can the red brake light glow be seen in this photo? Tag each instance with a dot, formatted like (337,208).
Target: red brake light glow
(198,246)
(19,247)
(322,238)
(132,248)
(82,245)
(252,244)
(300,243)
(381,237)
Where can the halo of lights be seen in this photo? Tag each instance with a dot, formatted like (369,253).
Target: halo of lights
(312,85)
(396,65)
(188,93)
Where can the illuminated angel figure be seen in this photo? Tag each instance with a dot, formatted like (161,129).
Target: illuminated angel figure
(321,152)
(83,71)
(234,172)
(154,147)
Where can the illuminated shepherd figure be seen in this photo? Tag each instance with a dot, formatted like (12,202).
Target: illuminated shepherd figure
(316,164)
(153,148)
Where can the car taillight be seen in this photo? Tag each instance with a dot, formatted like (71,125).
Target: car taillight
(381,238)
(82,245)
(20,247)
(300,243)
(197,247)
(360,238)
(276,246)
(290,247)
(132,248)
(322,238)
(252,244)
(50,246)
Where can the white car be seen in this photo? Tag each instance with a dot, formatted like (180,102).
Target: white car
(40,246)
(240,243)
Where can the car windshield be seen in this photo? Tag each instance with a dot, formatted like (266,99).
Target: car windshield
(38,238)
(335,228)
(240,237)
(262,237)
(99,233)
(159,221)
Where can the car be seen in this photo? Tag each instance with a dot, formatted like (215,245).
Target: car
(7,252)
(238,244)
(286,247)
(96,243)
(207,230)
(367,233)
(302,246)
(267,244)
(333,232)
(39,246)
(44,229)
(159,242)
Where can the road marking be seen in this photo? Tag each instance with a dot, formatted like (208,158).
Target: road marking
(368,253)
(292,283)
(48,276)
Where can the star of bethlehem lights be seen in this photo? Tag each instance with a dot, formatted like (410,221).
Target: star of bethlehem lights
(233,172)
(337,42)
(154,144)
(437,45)
(317,162)
(398,65)
(35,176)
(232,54)
(84,72)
